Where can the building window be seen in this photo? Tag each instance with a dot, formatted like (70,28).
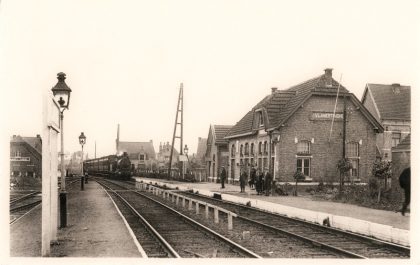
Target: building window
(252,162)
(396,137)
(232,150)
(260,163)
(304,147)
(142,158)
(241,150)
(260,148)
(352,152)
(265,148)
(214,158)
(252,149)
(304,165)
(246,149)
(260,119)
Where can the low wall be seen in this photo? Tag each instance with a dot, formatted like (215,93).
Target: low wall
(379,231)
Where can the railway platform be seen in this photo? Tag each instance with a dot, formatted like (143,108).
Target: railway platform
(386,225)
(94,228)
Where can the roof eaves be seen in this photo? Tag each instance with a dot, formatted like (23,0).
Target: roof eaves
(238,135)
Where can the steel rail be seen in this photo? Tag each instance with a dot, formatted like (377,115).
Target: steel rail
(402,249)
(163,242)
(24,197)
(29,205)
(245,251)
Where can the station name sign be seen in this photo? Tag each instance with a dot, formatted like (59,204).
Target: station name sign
(326,116)
(18,158)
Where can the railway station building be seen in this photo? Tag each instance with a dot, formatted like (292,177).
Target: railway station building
(390,105)
(306,128)
(25,156)
(217,152)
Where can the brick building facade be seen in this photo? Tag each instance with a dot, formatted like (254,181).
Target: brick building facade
(217,152)
(142,154)
(390,105)
(26,156)
(305,137)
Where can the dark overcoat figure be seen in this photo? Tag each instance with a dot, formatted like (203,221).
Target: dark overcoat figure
(253,175)
(405,183)
(260,182)
(267,180)
(242,180)
(223,177)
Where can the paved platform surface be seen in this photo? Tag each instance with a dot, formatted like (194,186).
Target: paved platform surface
(94,229)
(306,202)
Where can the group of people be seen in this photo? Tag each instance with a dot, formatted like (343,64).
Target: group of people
(259,180)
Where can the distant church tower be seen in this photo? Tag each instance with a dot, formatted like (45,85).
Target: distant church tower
(117,141)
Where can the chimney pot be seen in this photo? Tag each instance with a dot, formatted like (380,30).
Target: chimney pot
(38,136)
(396,88)
(273,89)
(328,77)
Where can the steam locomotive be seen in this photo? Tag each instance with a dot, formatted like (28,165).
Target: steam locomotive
(112,166)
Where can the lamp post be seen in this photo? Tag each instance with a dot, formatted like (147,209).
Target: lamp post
(61,94)
(82,141)
(274,138)
(183,162)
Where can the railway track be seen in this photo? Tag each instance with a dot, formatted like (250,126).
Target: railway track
(185,236)
(21,205)
(261,239)
(354,245)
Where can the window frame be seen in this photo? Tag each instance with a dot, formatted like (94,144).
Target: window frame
(354,158)
(302,165)
(307,143)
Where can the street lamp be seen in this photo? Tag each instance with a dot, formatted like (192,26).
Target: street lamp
(82,141)
(61,94)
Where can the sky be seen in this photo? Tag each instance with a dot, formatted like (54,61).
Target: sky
(125,60)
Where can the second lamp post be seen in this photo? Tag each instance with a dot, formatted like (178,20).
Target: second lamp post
(82,141)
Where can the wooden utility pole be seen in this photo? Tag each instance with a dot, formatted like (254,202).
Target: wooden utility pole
(344,124)
(179,110)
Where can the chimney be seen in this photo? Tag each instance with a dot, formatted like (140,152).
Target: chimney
(118,138)
(38,136)
(328,77)
(14,136)
(396,88)
(151,141)
(273,90)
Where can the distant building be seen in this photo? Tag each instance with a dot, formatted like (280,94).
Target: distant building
(26,156)
(308,133)
(164,154)
(401,159)
(197,163)
(390,105)
(73,163)
(217,151)
(142,154)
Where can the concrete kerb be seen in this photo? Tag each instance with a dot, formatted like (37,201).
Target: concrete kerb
(379,231)
(168,195)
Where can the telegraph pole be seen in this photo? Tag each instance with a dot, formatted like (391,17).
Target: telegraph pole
(179,110)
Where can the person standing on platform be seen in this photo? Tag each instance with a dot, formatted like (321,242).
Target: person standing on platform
(267,181)
(242,179)
(405,183)
(223,177)
(259,183)
(252,178)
